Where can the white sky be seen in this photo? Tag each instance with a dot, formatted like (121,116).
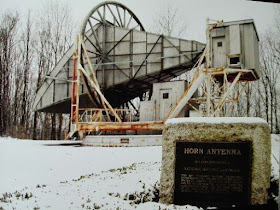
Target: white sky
(193,12)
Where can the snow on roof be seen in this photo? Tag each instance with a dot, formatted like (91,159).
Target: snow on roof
(216,120)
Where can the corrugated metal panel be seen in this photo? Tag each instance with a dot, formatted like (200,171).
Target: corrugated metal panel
(235,41)
(133,57)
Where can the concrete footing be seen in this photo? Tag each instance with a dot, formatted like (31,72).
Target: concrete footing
(123,141)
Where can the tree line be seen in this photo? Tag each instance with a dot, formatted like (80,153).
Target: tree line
(262,98)
(32,44)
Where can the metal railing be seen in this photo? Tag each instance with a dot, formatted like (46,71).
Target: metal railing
(88,115)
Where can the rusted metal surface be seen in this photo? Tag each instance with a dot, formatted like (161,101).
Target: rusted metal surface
(73,100)
(116,126)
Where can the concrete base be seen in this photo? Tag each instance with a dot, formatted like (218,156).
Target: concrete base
(254,130)
(123,141)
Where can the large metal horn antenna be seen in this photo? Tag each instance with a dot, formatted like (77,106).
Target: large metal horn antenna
(111,13)
(94,32)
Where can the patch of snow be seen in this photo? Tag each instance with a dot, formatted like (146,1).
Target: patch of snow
(275,155)
(26,163)
(216,120)
(116,188)
(34,174)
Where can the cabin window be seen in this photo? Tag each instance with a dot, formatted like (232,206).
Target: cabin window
(219,44)
(165,95)
(234,60)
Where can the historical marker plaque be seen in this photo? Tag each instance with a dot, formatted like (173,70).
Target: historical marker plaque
(212,174)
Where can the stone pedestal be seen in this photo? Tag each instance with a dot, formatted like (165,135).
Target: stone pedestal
(227,159)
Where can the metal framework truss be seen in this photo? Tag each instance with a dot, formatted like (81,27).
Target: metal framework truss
(219,98)
(218,86)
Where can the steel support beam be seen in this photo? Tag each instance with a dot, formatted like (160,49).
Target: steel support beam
(116,126)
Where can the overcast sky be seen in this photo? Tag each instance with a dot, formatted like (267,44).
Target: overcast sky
(193,12)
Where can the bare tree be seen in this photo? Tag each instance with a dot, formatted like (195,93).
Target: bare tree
(26,71)
(168,22)
(270,62)
(8,31)
(27,54)
(261,98)
(54,37)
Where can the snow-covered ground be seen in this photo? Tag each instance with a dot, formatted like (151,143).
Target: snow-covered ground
(275,155)
(44,175)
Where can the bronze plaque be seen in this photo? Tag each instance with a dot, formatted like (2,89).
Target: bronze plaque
(212,174)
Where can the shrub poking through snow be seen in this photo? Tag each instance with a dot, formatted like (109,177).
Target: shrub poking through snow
(27,196)
(95,206)
(6,198)
(147,195)
(273,192)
